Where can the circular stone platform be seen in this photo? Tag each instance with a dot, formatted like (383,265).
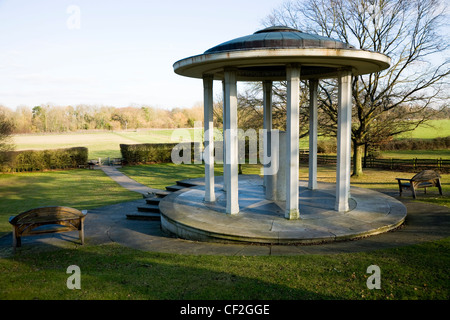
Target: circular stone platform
(185,214)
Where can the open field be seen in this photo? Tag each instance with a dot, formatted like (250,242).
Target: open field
(100,144)
(106,144)
(432,129)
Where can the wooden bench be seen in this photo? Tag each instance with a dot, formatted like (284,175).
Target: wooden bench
(424,179)
(47,220)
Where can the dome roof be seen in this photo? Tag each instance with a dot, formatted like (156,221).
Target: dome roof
(265,54)
(279,37)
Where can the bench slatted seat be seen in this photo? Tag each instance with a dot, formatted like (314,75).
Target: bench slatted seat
(52,219)
(424,179)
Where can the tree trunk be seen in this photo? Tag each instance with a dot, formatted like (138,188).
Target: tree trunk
(357,160)
(366,147)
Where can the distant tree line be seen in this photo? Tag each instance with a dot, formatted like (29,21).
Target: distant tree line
(53,119)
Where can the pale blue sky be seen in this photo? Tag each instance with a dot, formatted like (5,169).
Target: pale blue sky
(121,54)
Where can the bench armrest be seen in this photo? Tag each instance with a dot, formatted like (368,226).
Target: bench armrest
(400,179)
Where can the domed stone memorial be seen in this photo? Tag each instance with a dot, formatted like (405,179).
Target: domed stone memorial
(278,208)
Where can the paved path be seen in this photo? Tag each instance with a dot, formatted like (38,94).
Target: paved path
(125,181)
(108,224)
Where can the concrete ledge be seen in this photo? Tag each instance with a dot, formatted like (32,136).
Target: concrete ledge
(186,215)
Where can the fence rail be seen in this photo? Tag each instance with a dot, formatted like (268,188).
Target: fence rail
(440,164)
(414,163)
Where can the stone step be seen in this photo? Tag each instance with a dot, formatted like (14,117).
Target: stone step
(186,183)
(154,201)
(149,216)
(161,194)
(175,188)
(158,194)
(149,208)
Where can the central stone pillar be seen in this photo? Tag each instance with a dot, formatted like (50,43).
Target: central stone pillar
(231,142)
(292,141)
(344,141)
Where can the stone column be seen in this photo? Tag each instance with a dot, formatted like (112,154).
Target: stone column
(292,140)
(224,107)
(344,141)
(231,142)
(275,188)
(267,126)
(312,176)
(279,181)
(208,137)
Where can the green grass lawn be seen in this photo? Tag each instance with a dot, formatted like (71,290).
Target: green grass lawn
(81,189)
(115,272)
(162,175)
(419,154)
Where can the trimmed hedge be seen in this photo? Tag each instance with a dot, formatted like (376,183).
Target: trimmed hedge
(154,152)
(40,160)
(162,152)
(417,144)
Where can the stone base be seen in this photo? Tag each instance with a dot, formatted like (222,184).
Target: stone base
(186,215)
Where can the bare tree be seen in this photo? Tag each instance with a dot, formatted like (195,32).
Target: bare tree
(409,31)
(250,106)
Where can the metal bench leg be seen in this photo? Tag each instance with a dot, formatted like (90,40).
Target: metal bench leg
(439,186)
(17,242)
(81,232)
(400,188)
(16,239)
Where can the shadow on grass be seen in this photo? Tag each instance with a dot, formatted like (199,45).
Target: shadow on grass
(119,273)
(114,272)
(336,271)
